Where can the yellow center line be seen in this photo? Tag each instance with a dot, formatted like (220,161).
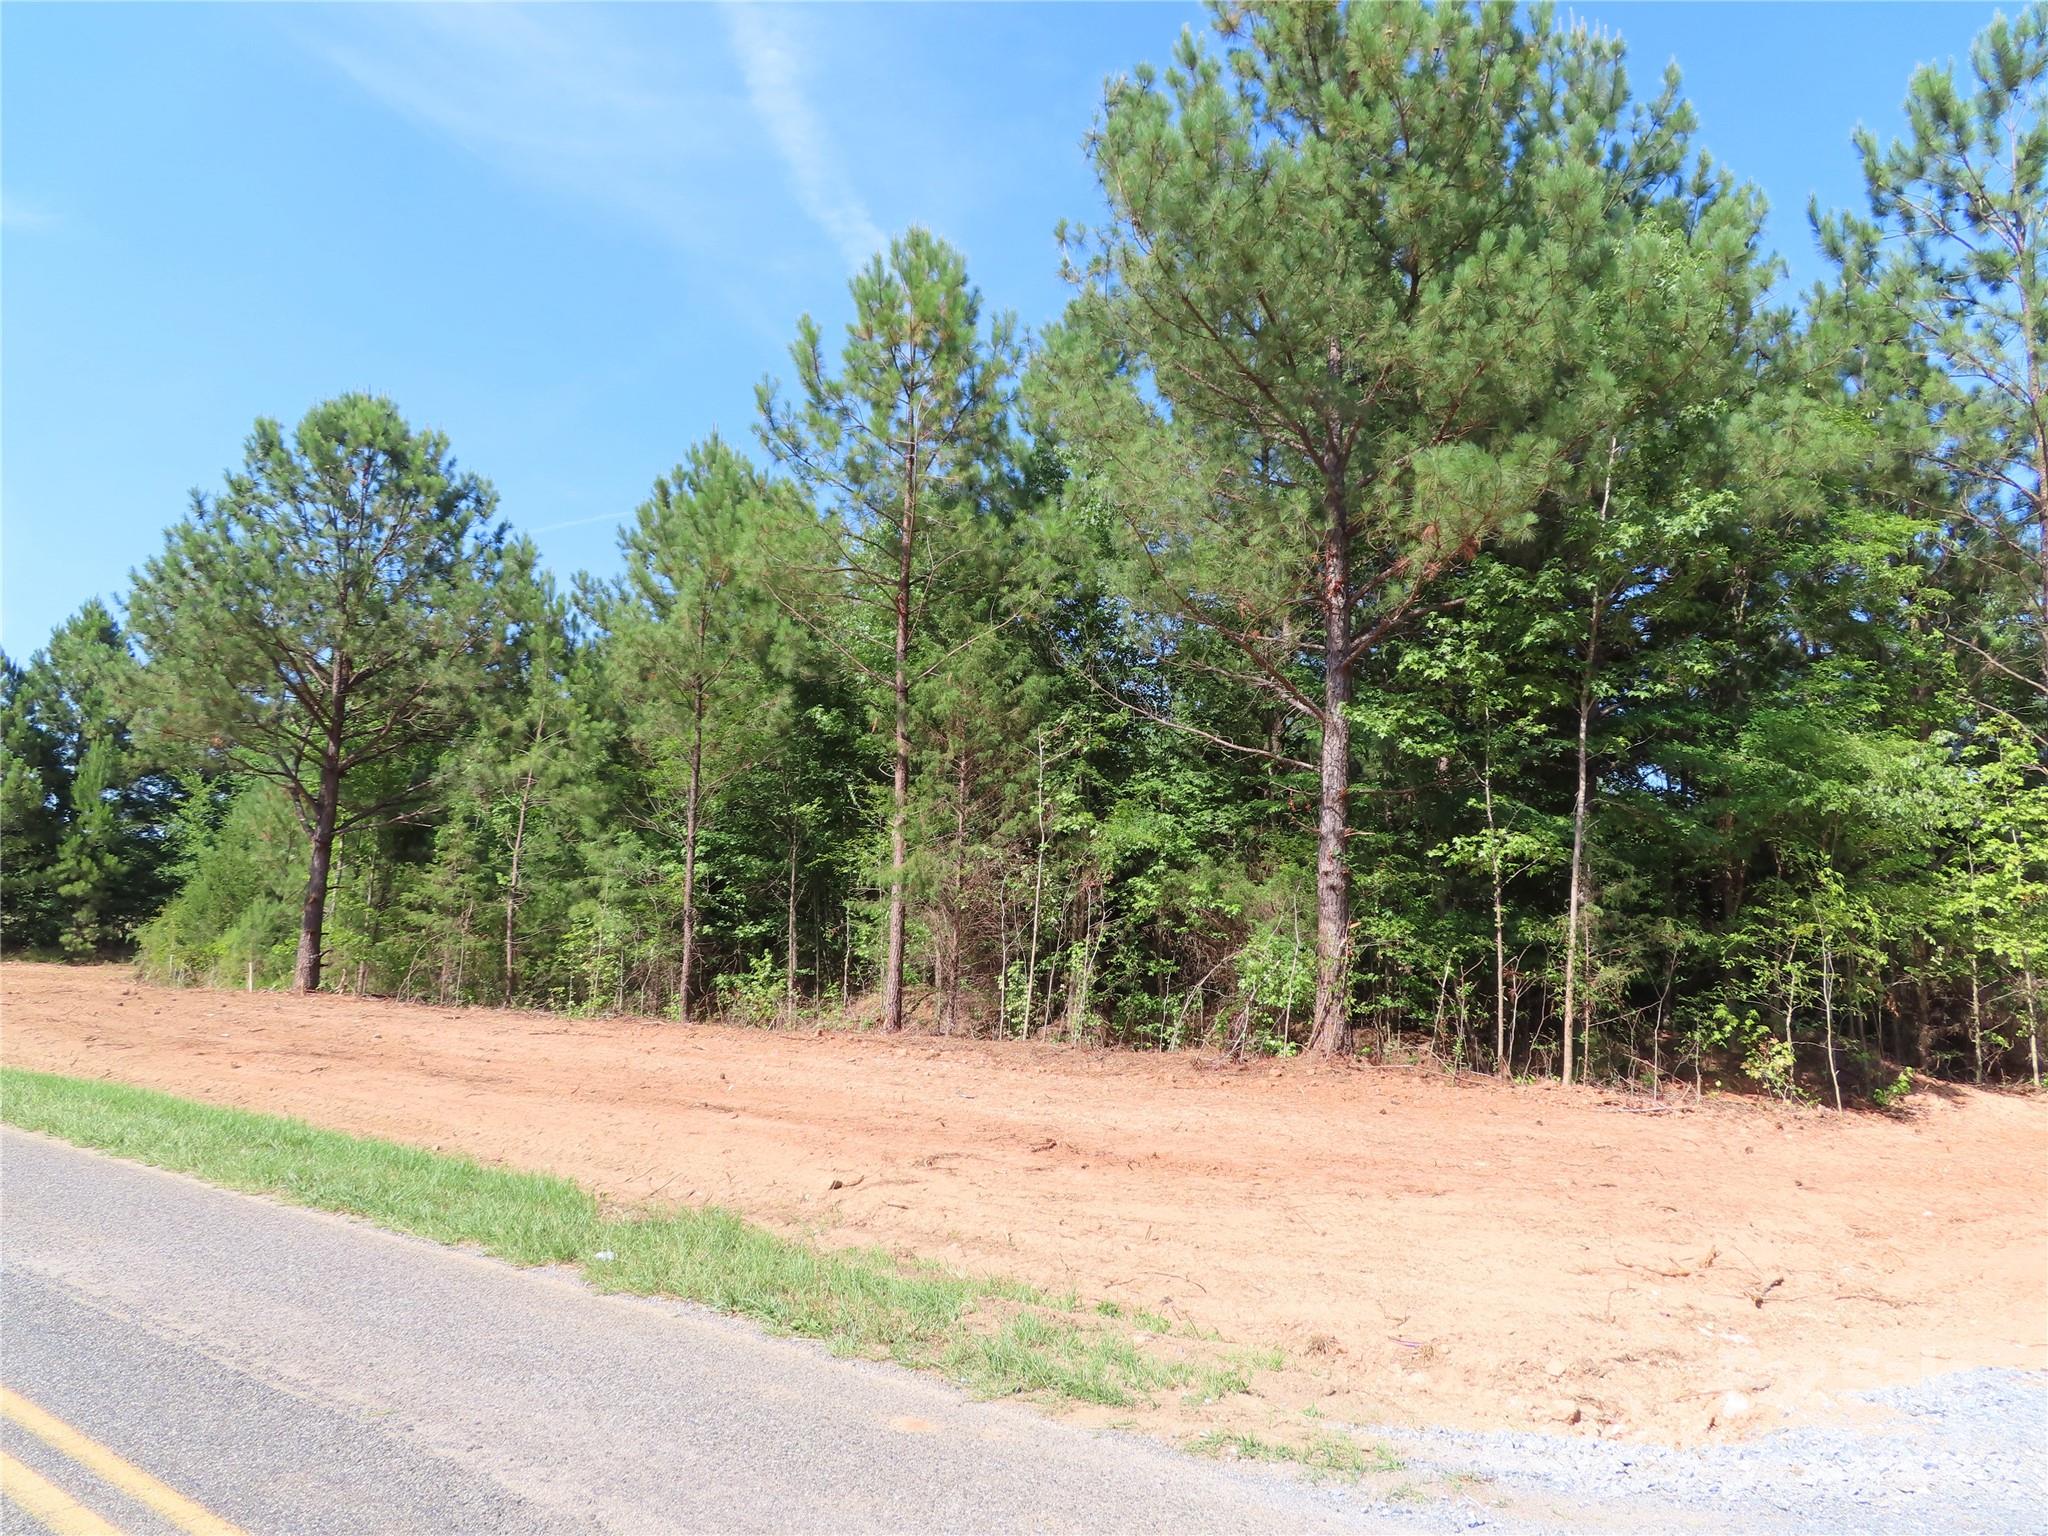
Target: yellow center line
(195,1519)
(47,1504)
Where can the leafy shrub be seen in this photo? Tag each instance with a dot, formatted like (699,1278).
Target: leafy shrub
(755,995)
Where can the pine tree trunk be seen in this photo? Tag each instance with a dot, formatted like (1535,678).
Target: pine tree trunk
(693,812)
(1976,984)
(2033,1027)
(512,878)
(1575,898)
(312,917)
(956,918)
(1003,955)
(1914,1030)
(326,812)
(899,798)
(789,953)
(1827,1008)
(1037,891)
(2036,389)
(1791,1006)
(1331,1031)
(1500,946)
(2033,1010)
(1977,1020)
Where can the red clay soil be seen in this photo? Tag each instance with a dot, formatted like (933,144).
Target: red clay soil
(1425,1250)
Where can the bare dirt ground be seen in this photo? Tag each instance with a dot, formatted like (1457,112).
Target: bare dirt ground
(1426,1251)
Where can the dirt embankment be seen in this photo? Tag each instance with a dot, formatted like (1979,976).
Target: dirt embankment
(1426,1251)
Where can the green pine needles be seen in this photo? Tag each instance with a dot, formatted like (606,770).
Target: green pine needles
(1429,592)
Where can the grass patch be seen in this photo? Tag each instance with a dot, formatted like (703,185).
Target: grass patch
(996,1337)
(1322,1453)
(526,1218)
(1215,1384)
(1051,1355)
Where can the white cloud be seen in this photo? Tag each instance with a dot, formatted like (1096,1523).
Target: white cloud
(774,72)
(25,217)
(550,95)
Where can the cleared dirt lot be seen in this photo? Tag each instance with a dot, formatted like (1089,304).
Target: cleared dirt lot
(1425,1251)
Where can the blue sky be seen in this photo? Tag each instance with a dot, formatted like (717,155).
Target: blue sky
(574,238)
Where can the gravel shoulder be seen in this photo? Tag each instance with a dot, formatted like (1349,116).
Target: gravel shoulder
(1964,1452)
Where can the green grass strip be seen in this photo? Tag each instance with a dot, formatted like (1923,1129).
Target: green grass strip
(1337,1455)
(995,1337)
(527,1218)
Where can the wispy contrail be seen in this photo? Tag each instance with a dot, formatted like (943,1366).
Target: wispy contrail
(773,73)
(578,522)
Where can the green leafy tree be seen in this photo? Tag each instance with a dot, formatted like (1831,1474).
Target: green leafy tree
(326,617)
(235,847)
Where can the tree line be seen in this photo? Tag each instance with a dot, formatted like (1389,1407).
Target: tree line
(1429,590)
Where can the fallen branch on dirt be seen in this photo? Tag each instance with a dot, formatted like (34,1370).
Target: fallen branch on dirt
(1673,1274)
(1645,1109)
(1883,1301)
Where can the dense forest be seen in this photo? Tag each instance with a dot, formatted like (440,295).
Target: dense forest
(1432,591)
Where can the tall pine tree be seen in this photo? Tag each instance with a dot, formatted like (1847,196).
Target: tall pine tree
(327,615)
(903,446)
(694,637)
(1944,290)
(1347,277)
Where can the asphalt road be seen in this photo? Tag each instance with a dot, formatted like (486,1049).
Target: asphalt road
(285,1370)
